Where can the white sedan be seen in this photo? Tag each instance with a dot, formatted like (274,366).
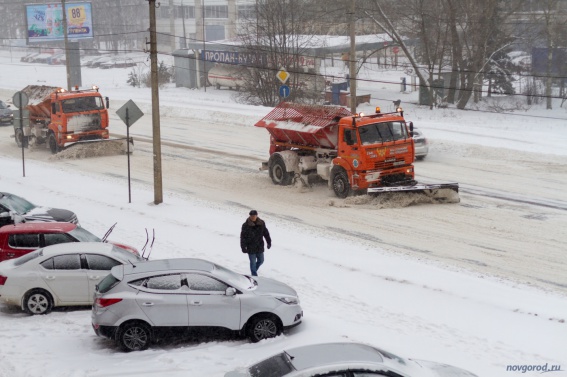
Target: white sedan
(59,275)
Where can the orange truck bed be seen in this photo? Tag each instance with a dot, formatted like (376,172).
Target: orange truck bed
(304,125)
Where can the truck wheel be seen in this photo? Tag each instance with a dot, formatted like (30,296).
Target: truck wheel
(52,142)
(20,138)
(278,172)
(341,185)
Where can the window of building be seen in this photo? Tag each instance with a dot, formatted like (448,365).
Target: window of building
(216,11)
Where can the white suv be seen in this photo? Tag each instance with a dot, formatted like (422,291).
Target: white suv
(138,302)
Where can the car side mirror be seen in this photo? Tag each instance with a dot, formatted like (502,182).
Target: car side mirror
(230,291)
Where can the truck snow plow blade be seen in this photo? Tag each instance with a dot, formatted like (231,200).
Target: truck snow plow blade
(95,148)
(438,192)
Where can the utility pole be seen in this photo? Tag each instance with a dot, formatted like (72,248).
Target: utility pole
(158,188)
(184,40)
(172,25)
(352,57)
(66,37)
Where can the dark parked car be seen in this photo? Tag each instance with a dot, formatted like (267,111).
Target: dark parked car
(6,114)
(20,239)
(14,209)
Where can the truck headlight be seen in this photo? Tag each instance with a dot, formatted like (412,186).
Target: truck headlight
(288,300)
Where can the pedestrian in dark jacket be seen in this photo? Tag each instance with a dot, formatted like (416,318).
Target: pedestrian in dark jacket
(252,240)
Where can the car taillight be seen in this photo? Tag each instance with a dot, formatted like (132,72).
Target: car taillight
(3,279)
(104,302)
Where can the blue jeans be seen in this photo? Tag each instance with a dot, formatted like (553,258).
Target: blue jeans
(256,261)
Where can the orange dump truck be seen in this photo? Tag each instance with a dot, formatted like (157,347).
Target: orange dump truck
(59,117)
(354,153)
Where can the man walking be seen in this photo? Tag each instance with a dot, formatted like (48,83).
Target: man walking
(252,240)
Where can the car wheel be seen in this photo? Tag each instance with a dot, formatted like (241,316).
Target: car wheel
(52,142)
(20,138)
(38,301)
(278,172)
(263,327)
(134,336)
(340,184)
(420,158)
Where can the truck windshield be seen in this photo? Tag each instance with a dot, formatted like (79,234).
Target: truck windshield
(78,104)
(377,133)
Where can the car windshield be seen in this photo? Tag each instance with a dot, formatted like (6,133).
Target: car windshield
(231,277)
(126,255)
(378,133)
(3,105)
(28,257)
(84,235)
(82,104)
(16,204)
(276,366)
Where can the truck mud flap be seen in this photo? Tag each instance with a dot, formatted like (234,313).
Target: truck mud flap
(439,192)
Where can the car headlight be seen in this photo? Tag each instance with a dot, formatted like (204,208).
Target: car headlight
(288,300)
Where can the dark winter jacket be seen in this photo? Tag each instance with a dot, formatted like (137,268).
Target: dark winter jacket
(252,234)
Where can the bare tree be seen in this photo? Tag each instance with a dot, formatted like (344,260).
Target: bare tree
(279,37)
(119,24)
(416,20)
(552,18)
(460,34)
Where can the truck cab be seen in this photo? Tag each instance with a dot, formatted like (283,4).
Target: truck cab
(77,116)
(373,151)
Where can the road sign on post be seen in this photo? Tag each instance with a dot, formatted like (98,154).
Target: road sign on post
(129,113)
(21,100)
(282,75)
(284,91)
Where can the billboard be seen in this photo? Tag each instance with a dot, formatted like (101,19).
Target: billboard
(45,22)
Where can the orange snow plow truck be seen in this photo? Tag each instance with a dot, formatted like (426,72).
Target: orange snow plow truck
(355,153)
(59,118)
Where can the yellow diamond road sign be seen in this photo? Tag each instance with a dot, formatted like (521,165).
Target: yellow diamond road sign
(282,75)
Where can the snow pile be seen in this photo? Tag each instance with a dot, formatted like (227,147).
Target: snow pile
(93,149)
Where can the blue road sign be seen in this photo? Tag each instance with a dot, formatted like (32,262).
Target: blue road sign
(284,91)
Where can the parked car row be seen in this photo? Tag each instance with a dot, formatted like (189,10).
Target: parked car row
(106,62)
(92,61)
(135,301)
(45,58)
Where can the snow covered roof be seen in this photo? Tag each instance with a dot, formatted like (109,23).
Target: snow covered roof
(314,44)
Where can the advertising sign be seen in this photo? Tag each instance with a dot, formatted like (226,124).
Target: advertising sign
(255,59)
(45,22)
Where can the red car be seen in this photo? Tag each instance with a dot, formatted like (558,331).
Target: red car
(19,239)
